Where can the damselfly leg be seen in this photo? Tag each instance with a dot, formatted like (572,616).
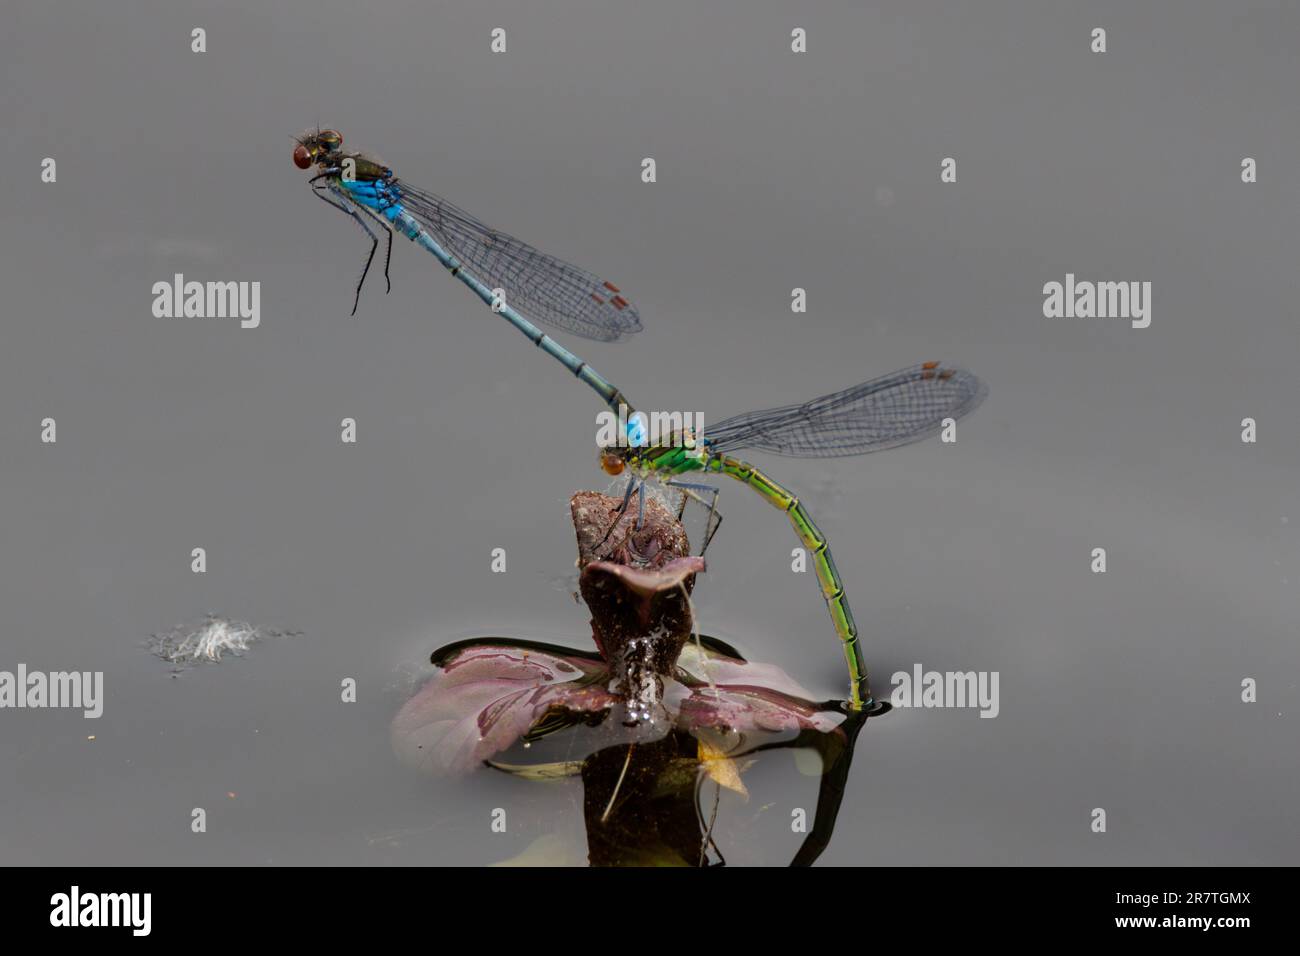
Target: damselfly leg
(627,497)
(388,254)
(693,492)
(345,207)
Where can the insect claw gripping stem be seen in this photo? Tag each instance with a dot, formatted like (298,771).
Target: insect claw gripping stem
(715,517)
(627,497)
(692,491)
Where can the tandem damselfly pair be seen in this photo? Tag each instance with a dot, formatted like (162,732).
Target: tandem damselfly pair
(525,285)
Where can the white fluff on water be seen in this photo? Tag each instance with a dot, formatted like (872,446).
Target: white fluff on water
(210,640)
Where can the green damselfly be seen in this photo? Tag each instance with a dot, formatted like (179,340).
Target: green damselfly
(896,409)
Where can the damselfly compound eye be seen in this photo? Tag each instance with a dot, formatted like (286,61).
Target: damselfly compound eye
(301,156)
(611,463)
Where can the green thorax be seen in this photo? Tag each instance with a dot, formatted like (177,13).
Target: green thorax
(669,461)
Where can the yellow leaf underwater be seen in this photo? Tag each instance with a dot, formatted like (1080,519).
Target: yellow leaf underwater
(719,767)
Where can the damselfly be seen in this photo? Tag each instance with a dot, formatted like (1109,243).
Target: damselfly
(896,409)
(893,410)
(511,276)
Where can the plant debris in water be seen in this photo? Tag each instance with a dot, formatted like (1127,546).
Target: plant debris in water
(210,641)
(652,722)
(487,694)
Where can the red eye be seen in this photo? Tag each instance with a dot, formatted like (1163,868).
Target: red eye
(301,156)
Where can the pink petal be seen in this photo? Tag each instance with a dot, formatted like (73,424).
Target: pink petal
(483,698)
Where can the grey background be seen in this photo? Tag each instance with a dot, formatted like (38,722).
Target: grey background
(775,170)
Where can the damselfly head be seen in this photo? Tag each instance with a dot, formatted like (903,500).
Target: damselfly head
(613,460)
(314,145)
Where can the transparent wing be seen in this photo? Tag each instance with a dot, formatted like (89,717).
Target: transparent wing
(892,410)
(540,286)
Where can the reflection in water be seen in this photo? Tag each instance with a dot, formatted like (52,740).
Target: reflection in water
(661,726)
(658,804)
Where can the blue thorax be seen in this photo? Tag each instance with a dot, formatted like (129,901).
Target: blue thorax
(384,196)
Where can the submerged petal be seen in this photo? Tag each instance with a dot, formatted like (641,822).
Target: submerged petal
(743,696)
(753,709)
(703,664)
(484,697)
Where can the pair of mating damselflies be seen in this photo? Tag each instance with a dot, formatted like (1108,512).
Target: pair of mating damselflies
(521,283)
